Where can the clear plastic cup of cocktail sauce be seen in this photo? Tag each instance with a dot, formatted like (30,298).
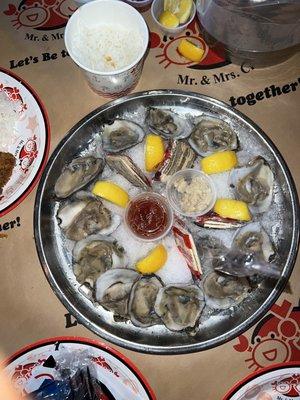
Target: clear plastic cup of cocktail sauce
(149,216)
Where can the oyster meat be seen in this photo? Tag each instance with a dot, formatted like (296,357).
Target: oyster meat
(179,306)
(253,184)
(81,218)
(211,135)
(253,239)
(168,124)
(179,155)
(142,300)
(121,135)
(126,167)
(224,291)
(95,255)
(210,247)
(113,289)
(77,174)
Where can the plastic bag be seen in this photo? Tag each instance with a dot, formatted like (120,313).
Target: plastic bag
(252,25)
(75,380)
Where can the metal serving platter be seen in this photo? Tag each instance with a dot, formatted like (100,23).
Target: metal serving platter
(55,258)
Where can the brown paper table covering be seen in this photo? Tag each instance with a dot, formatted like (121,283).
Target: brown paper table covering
(29,310)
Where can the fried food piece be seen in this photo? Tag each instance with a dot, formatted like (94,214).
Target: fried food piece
(7,163)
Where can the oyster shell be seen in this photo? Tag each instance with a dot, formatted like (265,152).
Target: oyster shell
(82,218)
(179,155)
(94,255)
(210,247)
(126,167)
(179,306)
(113,289)
(252,238)
(168,124)
(121,135)
(142,299)
(253,184)
(210,135)
(77,174)
(224,291)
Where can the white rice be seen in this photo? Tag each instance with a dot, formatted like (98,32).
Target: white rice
(107,47)
(8,119)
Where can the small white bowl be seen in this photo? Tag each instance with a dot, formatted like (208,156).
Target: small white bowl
(156,10)
(174,196)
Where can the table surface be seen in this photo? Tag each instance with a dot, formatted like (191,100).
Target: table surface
(29,309)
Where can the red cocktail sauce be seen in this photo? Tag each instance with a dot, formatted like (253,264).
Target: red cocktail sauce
(148,216)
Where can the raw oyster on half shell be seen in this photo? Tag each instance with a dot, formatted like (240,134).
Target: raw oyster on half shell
(95,255)
(179,306)
(224,291)
(77,174)
(253,239)
(210,135)
(142,299)
(113,289)
(168,124)
(81,218)
(253,184)
(120,135)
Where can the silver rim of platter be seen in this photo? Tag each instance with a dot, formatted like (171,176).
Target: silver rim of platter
(157,339)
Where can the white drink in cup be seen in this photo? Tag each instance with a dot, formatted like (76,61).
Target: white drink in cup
(108,40)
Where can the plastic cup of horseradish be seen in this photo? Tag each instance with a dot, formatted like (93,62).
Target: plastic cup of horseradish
(108,40)
(191,193)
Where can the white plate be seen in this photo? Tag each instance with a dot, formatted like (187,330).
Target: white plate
(31,141)
(29,367)
(278,382)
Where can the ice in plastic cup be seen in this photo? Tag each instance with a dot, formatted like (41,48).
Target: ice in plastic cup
(114,83)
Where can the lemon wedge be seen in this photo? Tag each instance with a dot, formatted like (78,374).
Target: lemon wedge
(171,5)
(219,162)
(235,209)
(168,19)
(154,152)
(184,12)
(153,261)
(111,192)
(190,51)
